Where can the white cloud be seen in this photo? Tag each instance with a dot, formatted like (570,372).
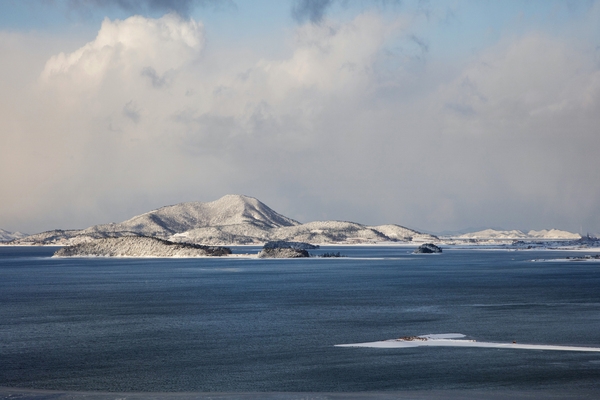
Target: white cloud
(346,126)
(128,47)
(525,112)
(533,76)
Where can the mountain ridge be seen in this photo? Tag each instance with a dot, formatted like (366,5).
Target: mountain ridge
(493,234)
(232,219)
(240,219)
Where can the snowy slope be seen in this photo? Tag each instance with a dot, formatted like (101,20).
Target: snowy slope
(328,232)
(60,237)
(6,236)
(319,232)
(179,218)
(224,234)
(494,234)
(397,232)
(491,234)
(553,234)
(346,232)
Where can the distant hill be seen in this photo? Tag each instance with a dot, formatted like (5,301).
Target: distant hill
(228,210)
(238,219)
(232,219)
(492,234)
(6,236)
(553,234)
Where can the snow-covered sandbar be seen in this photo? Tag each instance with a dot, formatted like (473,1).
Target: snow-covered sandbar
(451,340)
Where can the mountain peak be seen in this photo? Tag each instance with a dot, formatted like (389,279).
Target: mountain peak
(235,209)
(235,201)
(228,210)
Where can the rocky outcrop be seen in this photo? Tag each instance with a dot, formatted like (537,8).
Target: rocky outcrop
(139,247)
(291,245)
(283,253)
(427,248)
(283,249)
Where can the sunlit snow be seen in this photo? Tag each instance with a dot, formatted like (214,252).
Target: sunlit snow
(453,340)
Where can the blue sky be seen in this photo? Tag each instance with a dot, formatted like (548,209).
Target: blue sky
(453,28)
(437,115)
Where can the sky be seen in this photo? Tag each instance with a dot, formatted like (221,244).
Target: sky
(435,115)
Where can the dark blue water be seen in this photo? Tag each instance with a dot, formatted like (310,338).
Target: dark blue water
(270,325)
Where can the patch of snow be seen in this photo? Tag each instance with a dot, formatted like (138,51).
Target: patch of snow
(448,340)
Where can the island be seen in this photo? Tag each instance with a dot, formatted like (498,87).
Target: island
(427,248)
(283,253)
(139,246)
(283,249)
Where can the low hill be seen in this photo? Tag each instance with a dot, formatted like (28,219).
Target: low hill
(6,236)
(492,234)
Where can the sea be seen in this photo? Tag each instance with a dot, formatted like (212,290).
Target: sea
(240,325)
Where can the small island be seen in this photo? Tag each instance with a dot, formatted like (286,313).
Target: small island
(284,244)
(139,246)
(284,249)
(283,252)
(427,248)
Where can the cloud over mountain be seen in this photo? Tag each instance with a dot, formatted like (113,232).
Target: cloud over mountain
(362,117)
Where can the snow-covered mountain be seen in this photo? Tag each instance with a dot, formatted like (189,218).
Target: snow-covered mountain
(492,234)
(6,236)
(233,219)
(228,210)
(238,219)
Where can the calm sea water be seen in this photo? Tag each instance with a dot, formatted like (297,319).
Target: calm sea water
(227,325)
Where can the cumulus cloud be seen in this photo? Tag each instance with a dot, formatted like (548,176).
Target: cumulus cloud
(128,47)
(341,128)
